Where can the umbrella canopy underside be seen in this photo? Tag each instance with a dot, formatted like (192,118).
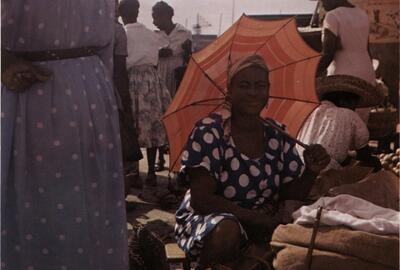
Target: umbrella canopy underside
(292,68)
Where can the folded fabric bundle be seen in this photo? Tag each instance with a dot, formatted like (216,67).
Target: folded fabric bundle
(293,258)
(339,243)
(381,188)
(353,212)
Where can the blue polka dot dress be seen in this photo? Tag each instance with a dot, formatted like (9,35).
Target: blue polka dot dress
(250,183)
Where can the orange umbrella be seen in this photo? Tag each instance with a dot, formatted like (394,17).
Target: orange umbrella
(292,65)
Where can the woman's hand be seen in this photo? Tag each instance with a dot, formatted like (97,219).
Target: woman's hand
(316,158)
(20,75)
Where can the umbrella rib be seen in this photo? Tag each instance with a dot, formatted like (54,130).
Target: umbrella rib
(294,99)
(180,153)
(208,77)
(282,131)
(229,60)
(233,41)
(197,103)
(277,31)
(295,62)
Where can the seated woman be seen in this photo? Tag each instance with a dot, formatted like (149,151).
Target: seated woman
(239,169)
(340,95)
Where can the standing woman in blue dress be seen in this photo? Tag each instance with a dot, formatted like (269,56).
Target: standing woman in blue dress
(62,198)
(239,169)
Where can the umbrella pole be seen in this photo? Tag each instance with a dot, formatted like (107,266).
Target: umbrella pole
(277,128)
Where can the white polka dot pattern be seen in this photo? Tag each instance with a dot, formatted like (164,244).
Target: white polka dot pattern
(52,142)
(196,147)
(208,138)
(228,153)
(230,192)
(274,144)
(235,164)
(246,182)
(293,165)
(215,153)
(254,171)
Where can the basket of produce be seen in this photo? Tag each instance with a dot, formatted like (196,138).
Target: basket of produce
(382,122)
(391,161)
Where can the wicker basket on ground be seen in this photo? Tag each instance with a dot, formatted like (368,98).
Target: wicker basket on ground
(146,245)
(382,123)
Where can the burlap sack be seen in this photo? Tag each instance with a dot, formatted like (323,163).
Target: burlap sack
(293,258)
(381,188)
(371,248)
(333,178)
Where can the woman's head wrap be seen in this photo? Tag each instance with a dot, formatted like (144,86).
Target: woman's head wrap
(245,62)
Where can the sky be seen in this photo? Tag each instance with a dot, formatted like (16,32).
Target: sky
(211,11)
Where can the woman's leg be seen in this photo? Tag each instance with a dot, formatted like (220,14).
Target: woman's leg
(161,161)
(222,245)
(151,160)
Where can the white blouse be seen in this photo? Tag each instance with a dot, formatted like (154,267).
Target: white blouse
(351,26)
(337,129)
(143,45)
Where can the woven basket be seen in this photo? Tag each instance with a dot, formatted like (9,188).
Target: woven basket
(382,123)
(136,261)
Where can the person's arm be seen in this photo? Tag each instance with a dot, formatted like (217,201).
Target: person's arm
(369,51)
(121,82)
(204,201)
(360,144)
(329,48)
(316,159)
(187,50)
(18,74)
(366,159)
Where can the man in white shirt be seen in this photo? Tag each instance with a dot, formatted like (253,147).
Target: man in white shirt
(336,126)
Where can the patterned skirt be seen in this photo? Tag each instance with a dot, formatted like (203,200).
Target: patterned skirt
(150,99)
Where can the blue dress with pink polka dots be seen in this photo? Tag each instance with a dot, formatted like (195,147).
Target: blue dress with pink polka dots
(250,183)
(62,186)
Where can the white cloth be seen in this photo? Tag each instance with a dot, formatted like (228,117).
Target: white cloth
(351,26)
(353,212)
(143,45)
(337,129)
(167,65)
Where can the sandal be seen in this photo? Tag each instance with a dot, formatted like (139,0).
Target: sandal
(160,166)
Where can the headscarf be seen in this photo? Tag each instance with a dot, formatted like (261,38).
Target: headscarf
(245,62)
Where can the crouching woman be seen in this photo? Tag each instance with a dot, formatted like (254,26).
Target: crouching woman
(239,169)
